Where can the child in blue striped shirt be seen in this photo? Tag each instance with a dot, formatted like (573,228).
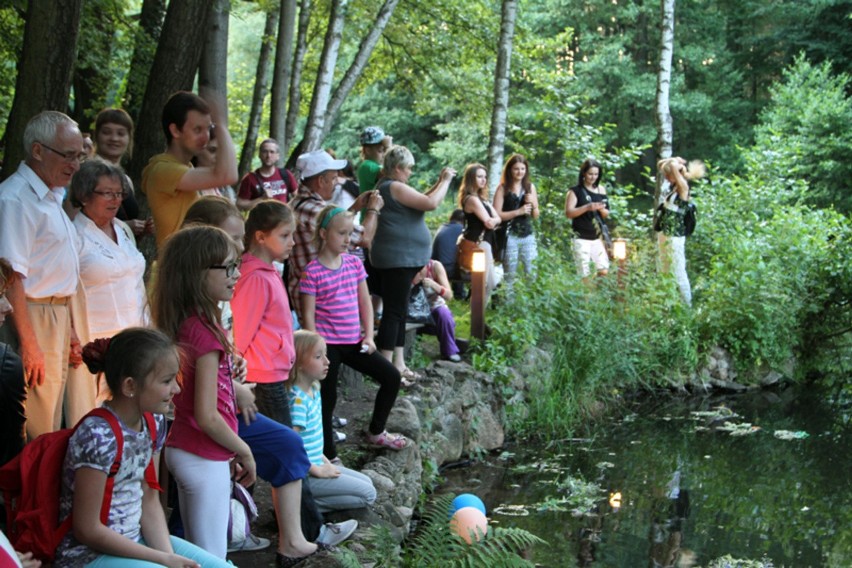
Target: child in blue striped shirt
(334,487)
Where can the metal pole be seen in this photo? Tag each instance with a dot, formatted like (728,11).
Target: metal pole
(477,305)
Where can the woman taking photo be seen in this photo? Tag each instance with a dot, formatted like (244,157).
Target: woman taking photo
(402,246)
(480,220)
(587,206)
(516,203)
(675,204)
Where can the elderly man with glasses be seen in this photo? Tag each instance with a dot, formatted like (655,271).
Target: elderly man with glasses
(40,242)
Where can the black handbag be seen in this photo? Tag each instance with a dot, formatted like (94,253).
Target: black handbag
(419,310)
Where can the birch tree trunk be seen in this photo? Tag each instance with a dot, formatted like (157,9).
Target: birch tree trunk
(261,83)
(663,115)
(44,70)
(497,136)
(213,69)
(144,48)
(296,80)
(365,50)
(282,74)
(325,76)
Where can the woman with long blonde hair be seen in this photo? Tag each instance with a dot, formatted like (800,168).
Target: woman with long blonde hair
(480,220)
(677,173)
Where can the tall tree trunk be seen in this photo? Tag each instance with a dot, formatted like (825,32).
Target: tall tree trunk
(261,83)
(365,50)
(213,69)
(663,115)
(93,71)
(44,71)
(281,74)
(183,33)
(147,36)
(497,136)
(296,79)
(325,76)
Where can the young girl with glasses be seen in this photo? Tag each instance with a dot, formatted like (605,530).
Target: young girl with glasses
(198,268)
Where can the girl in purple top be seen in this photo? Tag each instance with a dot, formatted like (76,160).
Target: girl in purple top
(199,267)
(337,305)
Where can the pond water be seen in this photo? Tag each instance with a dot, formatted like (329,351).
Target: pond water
(762,475)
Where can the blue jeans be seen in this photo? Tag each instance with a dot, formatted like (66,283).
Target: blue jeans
(180,547)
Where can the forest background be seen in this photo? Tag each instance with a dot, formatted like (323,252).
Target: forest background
(760,90)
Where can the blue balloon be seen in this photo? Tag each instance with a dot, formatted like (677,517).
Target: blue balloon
(466,500)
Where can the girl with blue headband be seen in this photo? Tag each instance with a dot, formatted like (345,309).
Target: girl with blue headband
(337,305)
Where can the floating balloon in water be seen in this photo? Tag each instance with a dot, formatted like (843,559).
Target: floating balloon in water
(469,523)
(466,500)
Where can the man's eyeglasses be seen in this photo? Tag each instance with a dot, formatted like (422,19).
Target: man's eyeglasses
(69,157)
(112,195)
(230,268)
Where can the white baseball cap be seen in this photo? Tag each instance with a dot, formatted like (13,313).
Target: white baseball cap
(317,162)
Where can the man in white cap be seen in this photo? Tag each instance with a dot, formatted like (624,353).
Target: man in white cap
(318,171)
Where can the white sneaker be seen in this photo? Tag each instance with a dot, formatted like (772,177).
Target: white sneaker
(339,437)
(250,543)
(332,534)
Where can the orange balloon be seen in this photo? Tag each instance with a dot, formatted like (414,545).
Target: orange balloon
(469,523)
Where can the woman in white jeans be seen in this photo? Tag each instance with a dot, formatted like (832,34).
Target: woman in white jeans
(673,238)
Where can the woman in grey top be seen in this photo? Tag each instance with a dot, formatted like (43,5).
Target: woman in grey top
(402,245)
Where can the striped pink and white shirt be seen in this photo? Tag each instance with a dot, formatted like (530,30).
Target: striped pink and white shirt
(337,317)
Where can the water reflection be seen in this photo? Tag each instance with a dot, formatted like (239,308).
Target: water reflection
(689,493)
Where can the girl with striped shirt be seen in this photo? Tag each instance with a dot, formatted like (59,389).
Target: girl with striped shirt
(336,305)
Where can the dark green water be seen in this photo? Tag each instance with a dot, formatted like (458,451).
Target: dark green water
(752,496)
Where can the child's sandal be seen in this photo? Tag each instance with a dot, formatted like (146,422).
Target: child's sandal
(386,440)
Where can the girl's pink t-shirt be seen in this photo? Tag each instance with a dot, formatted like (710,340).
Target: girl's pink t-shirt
(195,339)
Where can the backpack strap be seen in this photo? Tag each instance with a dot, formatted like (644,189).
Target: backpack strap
(289,180)
(110,419)
(151,470)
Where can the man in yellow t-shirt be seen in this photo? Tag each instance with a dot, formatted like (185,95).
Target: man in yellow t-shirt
(169,180)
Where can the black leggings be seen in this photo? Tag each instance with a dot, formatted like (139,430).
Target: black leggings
(373,365)
(395,290)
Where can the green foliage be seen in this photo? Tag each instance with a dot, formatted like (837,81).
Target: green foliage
(805,134)
(11,40)
(380,550)
(435,545)
(603,339)
(104,50)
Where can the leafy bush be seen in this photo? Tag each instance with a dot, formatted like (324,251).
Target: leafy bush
(603,339)
(805,134)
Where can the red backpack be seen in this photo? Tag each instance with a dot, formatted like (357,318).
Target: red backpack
(32,483)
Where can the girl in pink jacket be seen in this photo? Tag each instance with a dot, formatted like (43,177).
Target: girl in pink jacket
(263,325)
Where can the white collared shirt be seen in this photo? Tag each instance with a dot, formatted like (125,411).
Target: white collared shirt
(111,273)
(37,237)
